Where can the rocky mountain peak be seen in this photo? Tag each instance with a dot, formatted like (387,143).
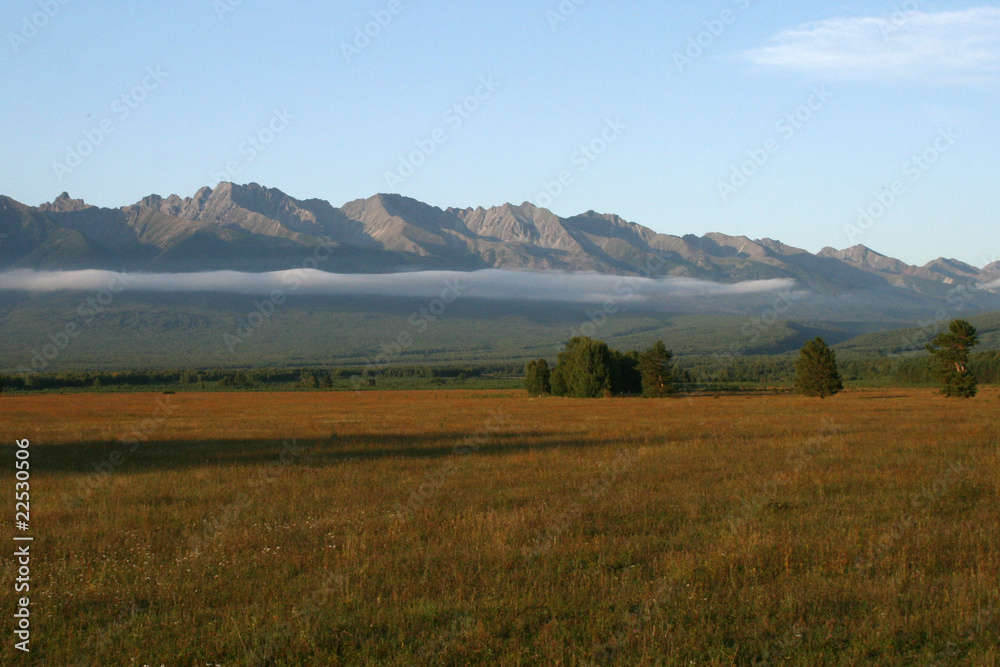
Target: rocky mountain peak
(256,228)
(64,204)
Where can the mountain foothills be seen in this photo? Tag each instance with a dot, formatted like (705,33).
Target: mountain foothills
(254,228)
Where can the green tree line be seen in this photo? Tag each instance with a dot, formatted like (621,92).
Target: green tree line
(258,378)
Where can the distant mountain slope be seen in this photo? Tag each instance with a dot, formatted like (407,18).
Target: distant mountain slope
(165,330)
(254,228)
(911,340)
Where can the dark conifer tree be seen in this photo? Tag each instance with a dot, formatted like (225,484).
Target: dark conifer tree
(816,370)
(951,356)
(657,371)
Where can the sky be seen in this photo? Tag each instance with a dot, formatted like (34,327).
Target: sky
(814,123)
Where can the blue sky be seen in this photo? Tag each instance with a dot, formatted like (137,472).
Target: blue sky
(770,119)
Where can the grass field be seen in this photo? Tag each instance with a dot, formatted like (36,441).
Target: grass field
(463,527)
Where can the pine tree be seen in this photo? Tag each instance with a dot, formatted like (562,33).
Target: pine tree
(816,370)
(951,354)
(657,371)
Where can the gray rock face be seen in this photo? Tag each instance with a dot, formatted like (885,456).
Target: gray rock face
(254,228)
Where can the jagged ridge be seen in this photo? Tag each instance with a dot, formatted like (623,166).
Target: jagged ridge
(254,228)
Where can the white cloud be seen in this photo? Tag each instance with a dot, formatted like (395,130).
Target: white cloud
(487,284)
(939,47)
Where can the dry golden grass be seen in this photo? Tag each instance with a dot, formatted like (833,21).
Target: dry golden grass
(489,527)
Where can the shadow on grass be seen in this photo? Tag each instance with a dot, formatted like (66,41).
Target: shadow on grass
(334,450)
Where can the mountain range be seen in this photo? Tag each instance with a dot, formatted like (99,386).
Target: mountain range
(838,294)
(255,228)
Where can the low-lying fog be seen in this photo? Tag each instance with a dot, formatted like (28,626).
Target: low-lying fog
(485,284)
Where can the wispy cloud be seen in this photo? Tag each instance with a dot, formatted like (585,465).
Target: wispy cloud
(487,284)
(924,47)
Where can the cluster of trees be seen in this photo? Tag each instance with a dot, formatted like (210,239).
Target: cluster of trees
(723,372)
(816,369)
(588,368)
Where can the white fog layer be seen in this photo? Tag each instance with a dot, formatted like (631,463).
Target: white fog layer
(485,284)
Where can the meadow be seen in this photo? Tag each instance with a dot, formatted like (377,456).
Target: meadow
(487,527)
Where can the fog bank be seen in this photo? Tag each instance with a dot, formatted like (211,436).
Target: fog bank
(485,284)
